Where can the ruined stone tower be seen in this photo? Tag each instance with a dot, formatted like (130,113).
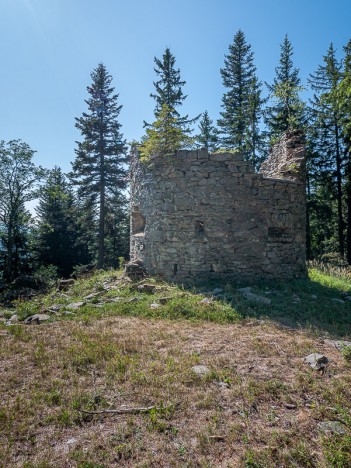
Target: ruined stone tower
(197,216)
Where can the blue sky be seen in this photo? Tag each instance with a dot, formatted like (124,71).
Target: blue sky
(49,48)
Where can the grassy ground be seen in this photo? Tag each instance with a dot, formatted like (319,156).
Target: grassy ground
(258,406)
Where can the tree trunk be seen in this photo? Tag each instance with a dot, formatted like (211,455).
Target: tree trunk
(339,193)
(308,225)
(101,251)
(348,202)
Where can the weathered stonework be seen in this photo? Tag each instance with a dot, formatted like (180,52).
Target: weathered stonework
(197,216)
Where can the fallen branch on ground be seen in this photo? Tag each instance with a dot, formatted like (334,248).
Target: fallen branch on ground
(130,410)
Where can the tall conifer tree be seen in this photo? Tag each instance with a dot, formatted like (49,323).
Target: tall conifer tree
(344,100)
(325,120)
(287,110)
(99,168)
(208,136)
(242,102)
(57,230)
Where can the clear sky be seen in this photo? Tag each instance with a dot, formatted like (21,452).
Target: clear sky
(49,48)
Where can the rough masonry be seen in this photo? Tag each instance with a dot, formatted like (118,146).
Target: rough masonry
(197,216)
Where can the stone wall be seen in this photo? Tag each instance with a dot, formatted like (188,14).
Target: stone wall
(197,216)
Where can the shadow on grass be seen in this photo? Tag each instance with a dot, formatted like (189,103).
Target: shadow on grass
(316,303)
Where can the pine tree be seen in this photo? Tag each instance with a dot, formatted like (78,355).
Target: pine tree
(287,110)
(242,103)
(99,168)
(208,136)
(325,120)
(18,180)
(169,92)
(255,138)
(343,96)
(168,89)
(56,236)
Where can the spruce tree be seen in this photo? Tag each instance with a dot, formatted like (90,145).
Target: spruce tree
(99,168)
(325,123)
(287,110)
(242,103)
(208,136)
(168,89)
(169,92)
(343,95)
(56,236)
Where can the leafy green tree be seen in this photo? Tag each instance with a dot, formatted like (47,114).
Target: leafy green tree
(164,136)
(99,169)
(57,230)
(242,102)
(287,109)
(325,124)
(18,183)
(208,136)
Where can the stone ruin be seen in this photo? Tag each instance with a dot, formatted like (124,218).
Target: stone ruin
(197,216)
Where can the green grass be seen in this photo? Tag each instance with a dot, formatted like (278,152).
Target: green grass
(312,303)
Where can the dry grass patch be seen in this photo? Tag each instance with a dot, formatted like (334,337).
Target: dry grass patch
(237,415)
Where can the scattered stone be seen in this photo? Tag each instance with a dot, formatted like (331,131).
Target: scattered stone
(36,319)
(340,345)
(205,301)
(14,318)
(340,301)
(161,288)
(289,406)
(92,296)
(296,299)
(115,299)
(134,299)
(217,438)
(335,427)
(164,300)
(67,312)
(246,292)
(154,306)
(71,441)
(217,291)
(223,384)
(63,285)
(348,298)
(316,361)
(75,305)
(314,296)
(53,308)
(201,371)
(146,288)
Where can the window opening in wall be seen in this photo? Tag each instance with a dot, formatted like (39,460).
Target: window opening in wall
(199,229)
(175,269)
(138,221)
